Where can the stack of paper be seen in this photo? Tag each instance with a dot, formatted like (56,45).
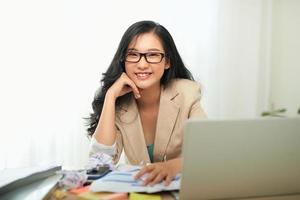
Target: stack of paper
(14,178)
(122,180)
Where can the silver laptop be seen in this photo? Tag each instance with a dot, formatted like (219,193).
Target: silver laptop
(225,159)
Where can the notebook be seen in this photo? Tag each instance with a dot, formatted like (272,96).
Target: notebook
(11,179)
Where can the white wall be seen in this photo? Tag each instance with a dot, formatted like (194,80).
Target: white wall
(237,85)
(285,58)
(52,54)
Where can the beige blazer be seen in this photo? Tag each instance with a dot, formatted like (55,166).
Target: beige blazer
(179,101)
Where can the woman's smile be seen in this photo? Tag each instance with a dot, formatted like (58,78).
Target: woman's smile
(143,75)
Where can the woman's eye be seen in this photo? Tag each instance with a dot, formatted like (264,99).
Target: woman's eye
(132,54)
(153,54)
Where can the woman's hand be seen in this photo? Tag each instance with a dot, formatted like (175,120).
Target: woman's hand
(160,171)
(123,86)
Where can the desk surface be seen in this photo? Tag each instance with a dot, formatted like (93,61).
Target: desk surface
(40,189)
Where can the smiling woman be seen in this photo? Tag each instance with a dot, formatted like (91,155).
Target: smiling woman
(146,72)
(137,108)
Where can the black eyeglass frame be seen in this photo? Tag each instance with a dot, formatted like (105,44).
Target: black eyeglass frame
(145,56)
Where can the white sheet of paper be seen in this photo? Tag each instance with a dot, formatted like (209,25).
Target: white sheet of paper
(122,181)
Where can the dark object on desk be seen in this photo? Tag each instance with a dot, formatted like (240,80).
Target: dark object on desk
(98,169)
(98,172)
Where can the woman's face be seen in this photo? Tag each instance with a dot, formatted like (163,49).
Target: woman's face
(145,74)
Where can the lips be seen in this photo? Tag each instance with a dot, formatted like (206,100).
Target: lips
(143,75)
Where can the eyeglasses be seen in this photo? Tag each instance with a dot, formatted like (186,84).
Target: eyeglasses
(150,57)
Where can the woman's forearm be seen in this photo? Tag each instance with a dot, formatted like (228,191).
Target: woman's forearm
(105,132)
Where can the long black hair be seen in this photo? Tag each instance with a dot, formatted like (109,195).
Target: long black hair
(177,68)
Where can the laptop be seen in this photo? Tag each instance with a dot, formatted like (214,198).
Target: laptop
(231,159)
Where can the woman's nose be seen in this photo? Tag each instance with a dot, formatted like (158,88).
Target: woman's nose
(143,63)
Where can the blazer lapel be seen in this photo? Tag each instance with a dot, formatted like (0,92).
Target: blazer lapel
(130,120)
(167,116)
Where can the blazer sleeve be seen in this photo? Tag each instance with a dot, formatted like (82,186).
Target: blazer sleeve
(196,110)
(95,147)
(114,150)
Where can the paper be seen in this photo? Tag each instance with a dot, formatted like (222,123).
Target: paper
(80,190)
(122,180)
(100,159)
(104,196)
(137,196)
(85,193)
(72,179)
(10,175)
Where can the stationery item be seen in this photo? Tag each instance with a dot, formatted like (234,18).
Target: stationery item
(84,193)
(72,179)
(80,190)
(100,159)
(102,196)
(122,180)
(138,196)
(14,178)
(98,172)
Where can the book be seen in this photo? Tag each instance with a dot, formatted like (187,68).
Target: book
(11,179)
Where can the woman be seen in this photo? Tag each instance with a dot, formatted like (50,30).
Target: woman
(146,97)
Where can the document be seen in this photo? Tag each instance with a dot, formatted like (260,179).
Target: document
(13,178)
(122,180)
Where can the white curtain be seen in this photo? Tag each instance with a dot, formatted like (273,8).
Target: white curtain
(52,55)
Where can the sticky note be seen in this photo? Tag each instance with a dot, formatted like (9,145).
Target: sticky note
(80,190)
(102,196)
(139,196)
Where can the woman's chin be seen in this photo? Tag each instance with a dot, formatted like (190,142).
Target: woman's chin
(143,84)
(146,84)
